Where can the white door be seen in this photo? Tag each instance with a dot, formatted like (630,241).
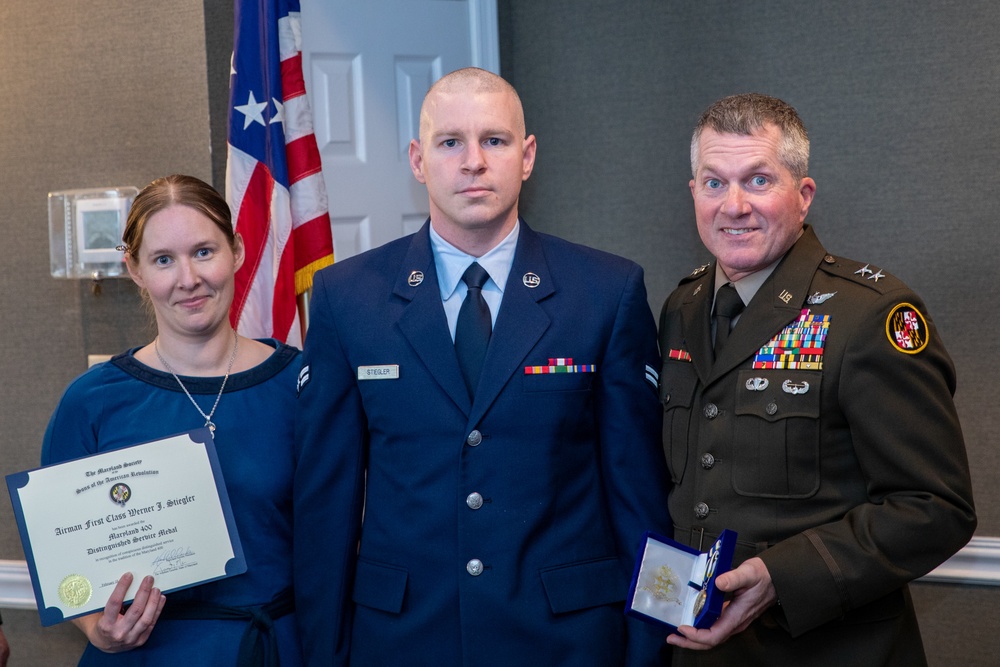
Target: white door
(367,65)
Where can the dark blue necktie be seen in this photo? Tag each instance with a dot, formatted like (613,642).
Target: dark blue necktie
(472,332)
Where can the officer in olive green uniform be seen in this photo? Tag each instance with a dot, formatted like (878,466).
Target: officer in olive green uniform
(823,432)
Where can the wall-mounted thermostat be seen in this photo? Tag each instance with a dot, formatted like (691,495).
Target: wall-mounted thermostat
(85,227)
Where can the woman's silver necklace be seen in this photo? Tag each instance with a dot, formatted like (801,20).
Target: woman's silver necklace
(208,418)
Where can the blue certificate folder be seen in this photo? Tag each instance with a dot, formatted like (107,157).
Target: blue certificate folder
(674,585)
(158,508)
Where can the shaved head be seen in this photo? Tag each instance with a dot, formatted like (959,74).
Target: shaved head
(470,80)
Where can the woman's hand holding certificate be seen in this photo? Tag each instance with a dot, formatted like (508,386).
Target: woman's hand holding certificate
(118,629)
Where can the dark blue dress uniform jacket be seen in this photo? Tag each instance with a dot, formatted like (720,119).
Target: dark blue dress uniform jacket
(848,481)
(397,560)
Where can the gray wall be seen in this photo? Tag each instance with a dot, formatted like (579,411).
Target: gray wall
(91,95)
(901,103)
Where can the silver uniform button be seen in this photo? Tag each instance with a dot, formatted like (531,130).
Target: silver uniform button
(474,439)
(771,408)
(701,510)
(707,461)
(711,411)
(474,567)
(474,500)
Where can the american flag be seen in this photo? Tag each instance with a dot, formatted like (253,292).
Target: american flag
(274,180)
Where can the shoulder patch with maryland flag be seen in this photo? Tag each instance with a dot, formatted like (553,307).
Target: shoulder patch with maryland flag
(906,329)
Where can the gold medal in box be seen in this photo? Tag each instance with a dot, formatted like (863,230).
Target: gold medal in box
(674,585)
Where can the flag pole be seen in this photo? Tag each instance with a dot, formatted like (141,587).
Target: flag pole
(303,305)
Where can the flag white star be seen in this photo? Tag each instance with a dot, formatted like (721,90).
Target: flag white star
(279,112)
(253,111)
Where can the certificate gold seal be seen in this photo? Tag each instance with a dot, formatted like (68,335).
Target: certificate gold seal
(75,590)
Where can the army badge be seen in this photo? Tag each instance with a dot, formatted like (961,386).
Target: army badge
(906,329)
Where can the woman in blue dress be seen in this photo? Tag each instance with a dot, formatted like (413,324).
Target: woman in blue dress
(180,249)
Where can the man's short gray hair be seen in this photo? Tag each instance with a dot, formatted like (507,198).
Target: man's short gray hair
(748,113)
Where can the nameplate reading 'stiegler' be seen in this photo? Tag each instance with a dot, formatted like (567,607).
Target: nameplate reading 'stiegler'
(383,372)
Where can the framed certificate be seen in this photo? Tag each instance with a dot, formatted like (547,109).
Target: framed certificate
(158,508)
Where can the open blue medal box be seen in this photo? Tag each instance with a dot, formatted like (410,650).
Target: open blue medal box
(674,585)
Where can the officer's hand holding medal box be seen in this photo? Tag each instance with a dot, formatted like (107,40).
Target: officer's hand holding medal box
(674,585)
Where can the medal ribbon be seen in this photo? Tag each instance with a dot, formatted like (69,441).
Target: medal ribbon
(798,346)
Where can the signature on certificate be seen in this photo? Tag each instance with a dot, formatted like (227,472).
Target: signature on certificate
(172,560)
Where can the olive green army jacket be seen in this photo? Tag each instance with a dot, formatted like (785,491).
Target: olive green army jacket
(825,434)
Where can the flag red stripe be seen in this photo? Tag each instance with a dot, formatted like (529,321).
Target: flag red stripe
(283,310)
(312,240)
(252,226)
(292,82)
(303,158)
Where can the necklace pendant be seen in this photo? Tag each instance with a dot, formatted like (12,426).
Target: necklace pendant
(209,424)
